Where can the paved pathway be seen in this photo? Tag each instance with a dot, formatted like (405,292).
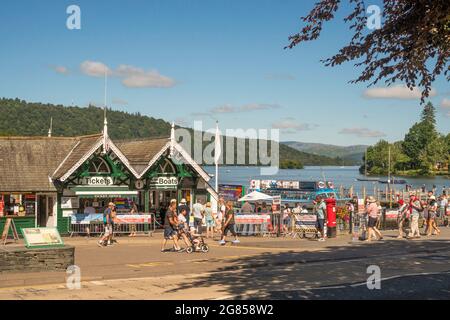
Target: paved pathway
(263,268)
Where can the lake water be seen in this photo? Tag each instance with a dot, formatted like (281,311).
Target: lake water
(345,176)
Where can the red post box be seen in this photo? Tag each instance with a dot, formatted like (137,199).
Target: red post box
(331,217)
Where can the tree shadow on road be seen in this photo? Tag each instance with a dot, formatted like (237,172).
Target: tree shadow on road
(259,276)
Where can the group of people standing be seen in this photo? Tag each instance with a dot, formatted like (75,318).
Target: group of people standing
(429,209)
(180,221)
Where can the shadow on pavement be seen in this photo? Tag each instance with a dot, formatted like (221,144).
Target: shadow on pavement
(306,275)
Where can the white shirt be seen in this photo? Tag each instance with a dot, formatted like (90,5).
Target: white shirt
(181,218)
(197,210)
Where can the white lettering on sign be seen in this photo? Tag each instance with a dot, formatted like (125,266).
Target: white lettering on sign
(165,181)
(98,181)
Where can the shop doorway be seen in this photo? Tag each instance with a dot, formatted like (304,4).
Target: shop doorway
(46,211)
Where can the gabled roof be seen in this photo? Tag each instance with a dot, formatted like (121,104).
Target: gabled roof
(27,162)
(82,147)
(140,152)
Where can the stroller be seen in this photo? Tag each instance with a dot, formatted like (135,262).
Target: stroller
(197,241)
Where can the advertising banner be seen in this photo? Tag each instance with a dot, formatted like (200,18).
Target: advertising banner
(230,192)
(306,220)
(80,218)
(252,218)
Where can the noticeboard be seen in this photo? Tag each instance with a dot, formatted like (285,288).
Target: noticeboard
(41,237)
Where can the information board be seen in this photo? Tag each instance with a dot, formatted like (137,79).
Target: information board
(41,237)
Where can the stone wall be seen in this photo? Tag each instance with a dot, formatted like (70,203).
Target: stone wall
(21,259)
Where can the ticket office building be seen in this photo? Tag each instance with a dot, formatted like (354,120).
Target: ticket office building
(46,180)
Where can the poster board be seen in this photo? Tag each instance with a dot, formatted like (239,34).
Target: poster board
(42,237)
(70,203)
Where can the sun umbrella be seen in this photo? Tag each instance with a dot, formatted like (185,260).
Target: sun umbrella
(256,196)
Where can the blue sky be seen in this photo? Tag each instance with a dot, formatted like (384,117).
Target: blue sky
(192,60)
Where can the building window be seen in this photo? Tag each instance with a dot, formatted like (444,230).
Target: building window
(167,167)
(99,165)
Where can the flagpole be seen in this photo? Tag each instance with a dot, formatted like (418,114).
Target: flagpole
(216,158)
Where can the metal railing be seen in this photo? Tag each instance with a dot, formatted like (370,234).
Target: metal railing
(97,228)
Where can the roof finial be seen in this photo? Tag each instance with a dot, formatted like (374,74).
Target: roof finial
(105,121)
(50,129)
(172,139)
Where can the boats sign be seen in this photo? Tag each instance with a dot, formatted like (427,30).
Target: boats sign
(164,182)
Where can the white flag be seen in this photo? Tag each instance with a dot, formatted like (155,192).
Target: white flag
(218,147)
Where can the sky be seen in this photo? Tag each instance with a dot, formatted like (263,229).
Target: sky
(204,60)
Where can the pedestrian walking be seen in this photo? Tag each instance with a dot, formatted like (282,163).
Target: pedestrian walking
(220,214)
(107,222)
(229,224)
(170,226)
(198,213)
(320,209)
(286,218)
(415,208)
(209,219)
(373,212)
(402,218)
(134,210)
(431,223)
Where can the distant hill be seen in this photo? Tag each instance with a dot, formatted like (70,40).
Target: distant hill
(21,118)
(350,155)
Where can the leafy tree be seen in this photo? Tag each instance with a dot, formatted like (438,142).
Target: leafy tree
(429,114)
(412,45)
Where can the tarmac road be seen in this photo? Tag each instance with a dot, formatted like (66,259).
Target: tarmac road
(256,269)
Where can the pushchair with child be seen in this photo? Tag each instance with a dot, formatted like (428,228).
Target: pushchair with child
(197,241)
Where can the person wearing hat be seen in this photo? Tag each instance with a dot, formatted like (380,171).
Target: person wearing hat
(402,217)
(373,213)
(431,221)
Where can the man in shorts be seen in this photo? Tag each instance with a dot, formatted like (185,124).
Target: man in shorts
(170,226)
(107,221)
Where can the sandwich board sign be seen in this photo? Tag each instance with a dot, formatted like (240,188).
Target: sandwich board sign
(42,237)
(9,224)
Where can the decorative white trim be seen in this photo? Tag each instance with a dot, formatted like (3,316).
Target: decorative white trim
(191,161)
(122,157)
(154,159)
(212,192)
(83,159)
(100,143)
(76,145)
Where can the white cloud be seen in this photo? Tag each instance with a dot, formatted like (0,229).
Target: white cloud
(395,92)
(362,132)
(94,68)
(60,69)
(445,103)
(224,109)
(227,108)
(134,77)
(259,106)
(290,125)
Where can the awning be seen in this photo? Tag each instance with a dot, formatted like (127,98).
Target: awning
(106,194)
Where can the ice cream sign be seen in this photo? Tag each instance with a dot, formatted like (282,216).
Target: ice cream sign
(98,181)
